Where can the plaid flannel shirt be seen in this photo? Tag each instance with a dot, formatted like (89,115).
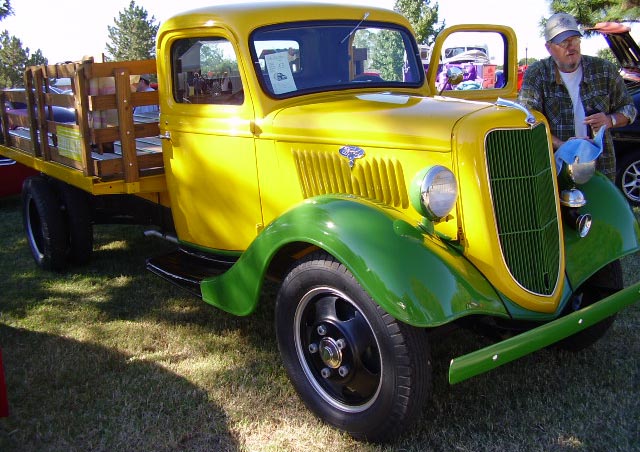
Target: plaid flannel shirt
(602,90)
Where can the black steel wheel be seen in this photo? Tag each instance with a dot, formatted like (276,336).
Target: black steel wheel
(605,282)
(628,176)
(44,224)
(353,365)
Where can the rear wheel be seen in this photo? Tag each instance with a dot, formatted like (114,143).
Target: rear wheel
(605,282)
(353,365)
(75,204)
(44,224)
(628,176)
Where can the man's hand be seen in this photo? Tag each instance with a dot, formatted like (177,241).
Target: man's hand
(598,120)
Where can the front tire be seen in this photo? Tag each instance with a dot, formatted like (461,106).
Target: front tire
(353,365)
(44,224)
(605,282)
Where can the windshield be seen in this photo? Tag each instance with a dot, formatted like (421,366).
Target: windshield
(300,58)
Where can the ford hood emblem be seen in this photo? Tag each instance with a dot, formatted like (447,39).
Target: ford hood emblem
(352,153)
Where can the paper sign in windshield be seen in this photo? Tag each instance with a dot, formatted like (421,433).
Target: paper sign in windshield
(280,73)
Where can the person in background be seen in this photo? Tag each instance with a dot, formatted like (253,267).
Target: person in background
(226,85)
(578,94)
(144,84)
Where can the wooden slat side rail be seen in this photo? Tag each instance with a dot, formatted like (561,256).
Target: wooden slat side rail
(60,100)
(110,102)
(33,120)
(23,144)
(148,162)
(111,134)
(135,67)
(17,120)
(81,91)
(125,123)
(63,70)
(38,82)
(15,96)
(106,139)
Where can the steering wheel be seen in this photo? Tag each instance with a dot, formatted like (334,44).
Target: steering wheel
(367,78)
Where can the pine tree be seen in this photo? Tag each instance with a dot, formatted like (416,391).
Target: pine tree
(13,58)
(5,9)
(133,35)
(13,61)
(590,12)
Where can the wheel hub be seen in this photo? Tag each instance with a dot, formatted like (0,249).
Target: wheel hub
(330,352)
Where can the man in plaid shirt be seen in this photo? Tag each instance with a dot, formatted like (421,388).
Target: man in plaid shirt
(578,94)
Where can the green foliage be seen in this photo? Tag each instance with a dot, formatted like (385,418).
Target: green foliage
(388,55)
(526,61)
(590,12)
(607,54)
(212,58)
(133,35)
(423,18)
(14,60)
(5,9)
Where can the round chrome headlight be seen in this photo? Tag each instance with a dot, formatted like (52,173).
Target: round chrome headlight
(435,191)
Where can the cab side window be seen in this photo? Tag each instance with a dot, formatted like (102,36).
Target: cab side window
(205,71)
(479,55)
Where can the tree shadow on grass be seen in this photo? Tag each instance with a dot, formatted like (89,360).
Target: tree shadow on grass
(93,398)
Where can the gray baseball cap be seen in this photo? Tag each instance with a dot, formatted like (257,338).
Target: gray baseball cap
(559,27)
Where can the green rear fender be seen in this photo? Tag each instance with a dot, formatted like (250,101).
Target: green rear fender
(417,279)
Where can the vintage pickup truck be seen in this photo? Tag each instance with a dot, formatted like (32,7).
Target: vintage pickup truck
(325,159)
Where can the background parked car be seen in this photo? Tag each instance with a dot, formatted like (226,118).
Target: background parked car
(12,174)
(626,139)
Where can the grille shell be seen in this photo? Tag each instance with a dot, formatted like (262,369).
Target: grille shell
(523,196)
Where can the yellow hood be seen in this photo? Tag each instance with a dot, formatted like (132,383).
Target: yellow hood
(385,120)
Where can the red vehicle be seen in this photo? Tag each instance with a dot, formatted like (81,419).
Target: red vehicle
(12,174)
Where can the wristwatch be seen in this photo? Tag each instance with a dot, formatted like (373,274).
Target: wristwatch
(613,121)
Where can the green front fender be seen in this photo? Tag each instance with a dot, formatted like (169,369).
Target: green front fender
(414,277)
(614,232)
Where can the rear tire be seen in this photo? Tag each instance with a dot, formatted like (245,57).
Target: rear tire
(75,204)
(605,282)
(353,365)
(44,224)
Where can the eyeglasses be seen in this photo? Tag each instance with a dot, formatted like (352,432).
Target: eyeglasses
(573,42)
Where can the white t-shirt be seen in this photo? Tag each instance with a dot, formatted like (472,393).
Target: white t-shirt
(572,82)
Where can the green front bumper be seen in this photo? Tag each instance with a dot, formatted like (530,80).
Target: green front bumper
(489,358)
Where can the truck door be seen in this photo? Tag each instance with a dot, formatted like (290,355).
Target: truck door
(487,57)
(209,151)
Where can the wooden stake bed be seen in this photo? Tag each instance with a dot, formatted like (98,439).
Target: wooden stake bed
(106,147)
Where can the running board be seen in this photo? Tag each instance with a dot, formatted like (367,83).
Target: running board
(186,269)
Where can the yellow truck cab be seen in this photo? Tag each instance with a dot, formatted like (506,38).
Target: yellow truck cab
(307,143)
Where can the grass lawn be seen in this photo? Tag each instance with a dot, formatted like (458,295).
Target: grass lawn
(109,357)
